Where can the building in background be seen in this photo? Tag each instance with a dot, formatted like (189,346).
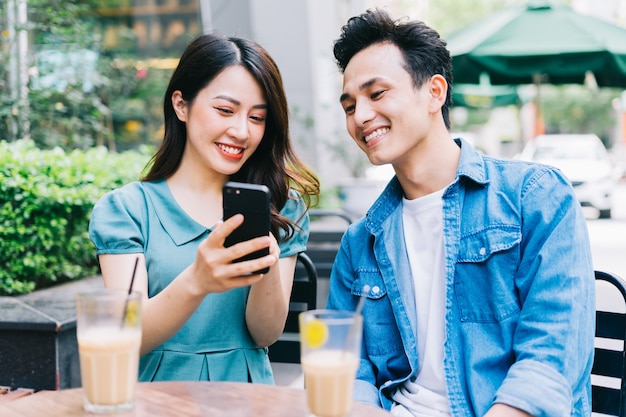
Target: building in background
(299,34)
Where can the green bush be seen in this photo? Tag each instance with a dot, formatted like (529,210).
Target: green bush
(46,197)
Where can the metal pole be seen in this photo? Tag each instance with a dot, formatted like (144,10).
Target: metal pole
(12,67)
(205,16)
(22,42)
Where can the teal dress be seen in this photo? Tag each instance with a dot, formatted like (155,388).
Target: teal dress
(214,344)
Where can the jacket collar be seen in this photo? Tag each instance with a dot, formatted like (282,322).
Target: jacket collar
(472,164)
(471,168)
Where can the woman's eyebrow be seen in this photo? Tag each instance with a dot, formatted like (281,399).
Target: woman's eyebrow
(238,103)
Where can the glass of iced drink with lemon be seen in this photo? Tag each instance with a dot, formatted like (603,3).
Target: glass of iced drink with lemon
(330,346)
(108,329)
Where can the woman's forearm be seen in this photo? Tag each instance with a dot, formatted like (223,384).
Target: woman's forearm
(165,313)
(268,303)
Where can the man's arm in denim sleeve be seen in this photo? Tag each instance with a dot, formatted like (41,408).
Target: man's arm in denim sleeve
(554,339)
(340,298)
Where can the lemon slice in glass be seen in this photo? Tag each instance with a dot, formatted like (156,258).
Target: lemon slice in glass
(132,314)
(315,333)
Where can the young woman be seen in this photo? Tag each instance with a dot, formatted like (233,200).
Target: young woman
(205,317)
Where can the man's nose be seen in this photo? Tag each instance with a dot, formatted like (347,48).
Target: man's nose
(363,113)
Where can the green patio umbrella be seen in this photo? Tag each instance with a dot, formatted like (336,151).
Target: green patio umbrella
(484,96)
(535,43)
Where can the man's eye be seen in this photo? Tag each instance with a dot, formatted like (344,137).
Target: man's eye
(349,109)
(377,94)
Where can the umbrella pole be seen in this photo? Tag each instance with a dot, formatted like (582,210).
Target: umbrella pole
(540,127)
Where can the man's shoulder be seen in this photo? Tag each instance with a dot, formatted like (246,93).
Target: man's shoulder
(517,169)
(525,179)
(357,227)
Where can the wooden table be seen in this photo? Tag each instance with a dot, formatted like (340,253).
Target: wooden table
(189,399)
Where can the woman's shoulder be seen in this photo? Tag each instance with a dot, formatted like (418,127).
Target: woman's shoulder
(294,194)
(117,220)
(130,195)
(294,206)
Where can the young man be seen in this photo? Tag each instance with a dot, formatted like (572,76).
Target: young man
(481,285)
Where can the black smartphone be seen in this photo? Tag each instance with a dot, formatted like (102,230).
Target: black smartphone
(253,201)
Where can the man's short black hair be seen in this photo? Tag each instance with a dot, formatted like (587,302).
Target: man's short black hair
(425,53)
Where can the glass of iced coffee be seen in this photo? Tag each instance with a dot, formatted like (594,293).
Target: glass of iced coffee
(108,329)
(330,343)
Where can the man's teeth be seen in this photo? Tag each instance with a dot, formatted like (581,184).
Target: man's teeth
(230,149)
(376,133)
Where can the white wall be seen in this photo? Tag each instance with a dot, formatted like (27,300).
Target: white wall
(299,35)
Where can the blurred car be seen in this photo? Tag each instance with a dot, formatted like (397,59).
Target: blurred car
(584,160)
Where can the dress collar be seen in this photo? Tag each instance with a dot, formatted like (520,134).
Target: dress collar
(175,221)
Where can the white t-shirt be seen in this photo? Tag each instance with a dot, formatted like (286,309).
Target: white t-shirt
(425,396)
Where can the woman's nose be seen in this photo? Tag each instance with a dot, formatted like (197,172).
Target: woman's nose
(239,127)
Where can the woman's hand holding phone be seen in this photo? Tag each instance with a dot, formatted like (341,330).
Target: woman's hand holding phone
(215,264)
(253,201)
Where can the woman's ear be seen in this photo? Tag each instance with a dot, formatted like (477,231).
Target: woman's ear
(180,106)
(438,92)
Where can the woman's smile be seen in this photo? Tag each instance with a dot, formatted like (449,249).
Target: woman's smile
(230,151)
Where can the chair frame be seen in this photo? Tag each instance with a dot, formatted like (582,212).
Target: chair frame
(313,265)
(303,298)
(323,243)
(610,363)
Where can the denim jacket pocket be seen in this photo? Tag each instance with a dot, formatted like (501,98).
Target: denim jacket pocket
(379,322)
(371,279)
(481,244)
(484,281)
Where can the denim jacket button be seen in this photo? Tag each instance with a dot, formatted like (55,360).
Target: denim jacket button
(376,289)
(483,251)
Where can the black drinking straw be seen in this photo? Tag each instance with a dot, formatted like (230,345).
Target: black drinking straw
(130,290)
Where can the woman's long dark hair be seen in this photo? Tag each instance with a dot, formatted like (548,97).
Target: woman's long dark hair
(274,163)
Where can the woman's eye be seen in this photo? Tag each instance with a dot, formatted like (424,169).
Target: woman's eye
(258,118)
(349,109)
(224,110)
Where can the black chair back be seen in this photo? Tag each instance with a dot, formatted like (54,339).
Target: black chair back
(311,278)
(303,298)
(327,229)
(609,365)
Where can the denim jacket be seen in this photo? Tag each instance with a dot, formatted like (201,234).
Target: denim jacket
(520,291)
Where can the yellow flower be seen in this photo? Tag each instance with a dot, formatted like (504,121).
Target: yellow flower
(133,125)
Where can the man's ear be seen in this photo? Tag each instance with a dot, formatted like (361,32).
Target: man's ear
(180,106)
(438,92)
